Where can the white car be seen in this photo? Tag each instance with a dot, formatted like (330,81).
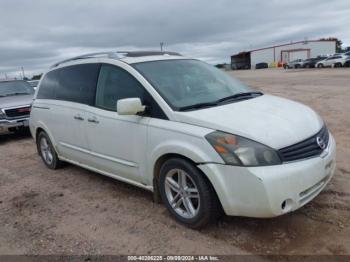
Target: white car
(188,132)
(337,60)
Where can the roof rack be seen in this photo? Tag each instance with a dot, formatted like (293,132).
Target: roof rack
(149,53)
(115,55)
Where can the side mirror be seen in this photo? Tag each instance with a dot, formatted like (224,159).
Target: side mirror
(130,106)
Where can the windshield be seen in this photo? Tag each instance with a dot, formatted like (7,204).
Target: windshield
(183,83)
(15,88)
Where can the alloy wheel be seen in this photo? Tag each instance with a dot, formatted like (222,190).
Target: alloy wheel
(46,151)
(182,193)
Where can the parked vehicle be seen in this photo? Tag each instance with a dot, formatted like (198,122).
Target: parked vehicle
(332,61)
(261,66)
(185,130)
(15,103)
(298,63)
(311,62)
(347,62)
(33,83)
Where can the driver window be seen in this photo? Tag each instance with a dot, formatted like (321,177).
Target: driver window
(115,83)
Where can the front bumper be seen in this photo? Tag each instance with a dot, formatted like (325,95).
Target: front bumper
(5,124)
(273,190)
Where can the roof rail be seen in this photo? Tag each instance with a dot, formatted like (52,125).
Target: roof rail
(115,55)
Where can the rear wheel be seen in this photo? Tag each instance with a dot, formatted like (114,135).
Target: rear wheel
(320,65)
(188,196)
(47,151)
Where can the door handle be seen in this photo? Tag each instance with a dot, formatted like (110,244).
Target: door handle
(78,117)
(93,120)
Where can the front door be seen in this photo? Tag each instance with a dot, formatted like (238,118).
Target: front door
(118,143)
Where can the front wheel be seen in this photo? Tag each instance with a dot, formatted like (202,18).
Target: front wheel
(187,194)
(320,66)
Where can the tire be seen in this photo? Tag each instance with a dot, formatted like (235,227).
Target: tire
(47,152)
(204,207)
(320,66)
(337,65)
(297,66)
(307,66)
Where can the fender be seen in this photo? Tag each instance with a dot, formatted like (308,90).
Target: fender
(189,150)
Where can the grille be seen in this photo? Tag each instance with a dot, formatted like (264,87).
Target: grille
(18,112)
(306,148)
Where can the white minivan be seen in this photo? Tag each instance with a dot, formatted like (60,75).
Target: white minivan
(200,140)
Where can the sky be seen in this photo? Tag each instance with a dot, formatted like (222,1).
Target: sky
(35,34)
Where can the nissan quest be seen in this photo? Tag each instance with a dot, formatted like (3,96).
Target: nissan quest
(201,141)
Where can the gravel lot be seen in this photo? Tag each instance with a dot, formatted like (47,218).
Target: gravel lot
(74,211)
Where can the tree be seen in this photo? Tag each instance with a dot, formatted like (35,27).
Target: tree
(220,65)
(338,43)
(36,77)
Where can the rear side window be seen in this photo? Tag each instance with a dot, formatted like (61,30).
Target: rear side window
(74,83)
(48,86)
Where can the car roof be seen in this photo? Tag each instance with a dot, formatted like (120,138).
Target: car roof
(140,59)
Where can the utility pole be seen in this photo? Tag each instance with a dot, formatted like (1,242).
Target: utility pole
(22,73)
(161,46)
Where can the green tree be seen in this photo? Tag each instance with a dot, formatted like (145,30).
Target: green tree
(36,77)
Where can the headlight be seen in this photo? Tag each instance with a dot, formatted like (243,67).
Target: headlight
(240,151)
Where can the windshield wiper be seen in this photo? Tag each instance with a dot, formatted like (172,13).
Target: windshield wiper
(244,95)
(197,106)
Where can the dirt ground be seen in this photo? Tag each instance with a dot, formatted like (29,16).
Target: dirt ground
(74,211)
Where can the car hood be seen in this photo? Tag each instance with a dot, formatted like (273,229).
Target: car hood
(14,101)
(271,120)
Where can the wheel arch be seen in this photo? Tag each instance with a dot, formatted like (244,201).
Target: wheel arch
(41,127)
(156,171)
